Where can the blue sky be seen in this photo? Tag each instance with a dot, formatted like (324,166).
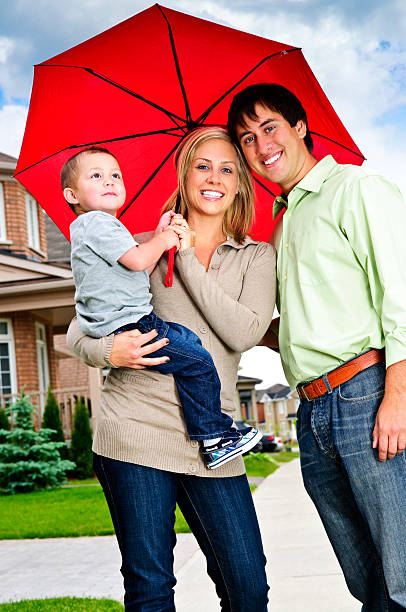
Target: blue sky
(357,50)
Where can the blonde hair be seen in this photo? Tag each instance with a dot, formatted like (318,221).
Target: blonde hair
(240,216)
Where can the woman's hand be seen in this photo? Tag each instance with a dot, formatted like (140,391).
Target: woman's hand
(128,350)
(185,234)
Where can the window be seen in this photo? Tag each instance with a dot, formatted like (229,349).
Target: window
(8,379)
(31,208)
(2,214)
(42,358)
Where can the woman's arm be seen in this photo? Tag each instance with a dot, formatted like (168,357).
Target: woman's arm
(243,321)
(122,350)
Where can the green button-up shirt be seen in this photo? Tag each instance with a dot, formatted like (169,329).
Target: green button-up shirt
(341,270)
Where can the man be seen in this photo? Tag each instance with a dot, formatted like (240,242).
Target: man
(342,303)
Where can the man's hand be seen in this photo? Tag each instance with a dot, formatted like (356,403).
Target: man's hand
(389,434)
(270,338)
(128,350)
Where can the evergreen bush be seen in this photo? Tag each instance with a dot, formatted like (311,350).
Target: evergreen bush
(81,445)
(4,422)
(52,420)
(29,460)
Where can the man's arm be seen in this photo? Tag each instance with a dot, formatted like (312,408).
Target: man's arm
(270,338)
(144,256)
(389,434)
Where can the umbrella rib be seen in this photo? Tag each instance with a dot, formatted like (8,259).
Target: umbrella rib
(149,179)
(263,187)
(177,66)
(88,144)
(204,115)
(171,116)
(338,143)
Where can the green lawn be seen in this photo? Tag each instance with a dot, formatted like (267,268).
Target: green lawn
(82,510)
(63,604)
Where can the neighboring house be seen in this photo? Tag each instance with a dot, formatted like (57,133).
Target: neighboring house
(279,405)
(247,400)
(36,303)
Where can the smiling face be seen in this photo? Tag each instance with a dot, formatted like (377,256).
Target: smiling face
(275,149)
(99,185)
(212,180)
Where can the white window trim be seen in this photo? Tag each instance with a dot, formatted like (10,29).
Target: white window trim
(3,232)
(31,211)
(42,344)
(9,338)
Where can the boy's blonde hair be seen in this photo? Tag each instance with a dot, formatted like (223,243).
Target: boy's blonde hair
(239,217)
(70,169)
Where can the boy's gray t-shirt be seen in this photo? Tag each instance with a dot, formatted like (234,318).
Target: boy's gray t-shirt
(108,295)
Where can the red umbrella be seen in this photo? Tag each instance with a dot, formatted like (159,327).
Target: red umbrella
(139,87)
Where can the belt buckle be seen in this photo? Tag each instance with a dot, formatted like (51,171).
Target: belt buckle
(302,391)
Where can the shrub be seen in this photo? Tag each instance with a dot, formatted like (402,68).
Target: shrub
(29,460)
(4,422)
(52,420)
(81,445)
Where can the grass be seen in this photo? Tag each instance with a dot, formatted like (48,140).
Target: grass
(63,604)
(82,510)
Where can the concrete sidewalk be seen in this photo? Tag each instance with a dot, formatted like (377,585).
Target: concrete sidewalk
(302,569)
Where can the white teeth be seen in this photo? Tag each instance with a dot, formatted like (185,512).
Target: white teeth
(272,159)
(212,194)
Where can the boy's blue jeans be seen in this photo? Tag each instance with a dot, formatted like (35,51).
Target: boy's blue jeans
(194,373)
(361,501)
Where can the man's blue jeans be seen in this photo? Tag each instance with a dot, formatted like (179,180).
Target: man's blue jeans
(195,376)
(361,501)
(220,513)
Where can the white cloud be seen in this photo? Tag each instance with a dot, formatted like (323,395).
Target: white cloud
(12,125)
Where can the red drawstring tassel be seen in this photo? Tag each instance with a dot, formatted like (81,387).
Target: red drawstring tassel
(169,274)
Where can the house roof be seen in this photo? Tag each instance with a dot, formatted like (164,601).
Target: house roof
(58,245)
(7,158)
(249,379)
(7,163)
(275,392)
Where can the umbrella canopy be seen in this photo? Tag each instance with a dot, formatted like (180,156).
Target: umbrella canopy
(139,88)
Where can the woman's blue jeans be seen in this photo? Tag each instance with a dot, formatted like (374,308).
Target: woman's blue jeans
(361,501)
(220,513)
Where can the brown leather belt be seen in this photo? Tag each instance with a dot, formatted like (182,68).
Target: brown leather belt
(337,377)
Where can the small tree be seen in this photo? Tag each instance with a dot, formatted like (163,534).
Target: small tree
(52,420)
(29,460)
(4,422)
(81,446)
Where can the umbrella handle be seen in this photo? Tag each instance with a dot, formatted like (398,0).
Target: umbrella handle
(169,273)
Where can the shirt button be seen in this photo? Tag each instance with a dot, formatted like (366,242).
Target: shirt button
(285,277)
(287,245)
(220,250)
(203,329)
(192,468)
(194,443)
(285,312)
(215,266)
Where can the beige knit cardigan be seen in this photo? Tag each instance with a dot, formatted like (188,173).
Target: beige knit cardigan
(229,307)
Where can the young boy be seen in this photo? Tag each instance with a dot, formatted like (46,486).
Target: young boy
(111,273)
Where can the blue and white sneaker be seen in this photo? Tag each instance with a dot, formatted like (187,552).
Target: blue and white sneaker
(234,442)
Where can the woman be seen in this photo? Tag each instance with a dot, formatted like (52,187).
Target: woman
(224,290)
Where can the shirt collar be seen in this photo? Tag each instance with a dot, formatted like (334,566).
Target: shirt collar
(313,181)
(229,241)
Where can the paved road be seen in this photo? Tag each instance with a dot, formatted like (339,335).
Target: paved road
(302,569)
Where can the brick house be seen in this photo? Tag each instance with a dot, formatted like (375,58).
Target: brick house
(36,304)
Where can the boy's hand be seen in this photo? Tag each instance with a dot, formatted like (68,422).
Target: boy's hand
(164,221)
(171,239)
